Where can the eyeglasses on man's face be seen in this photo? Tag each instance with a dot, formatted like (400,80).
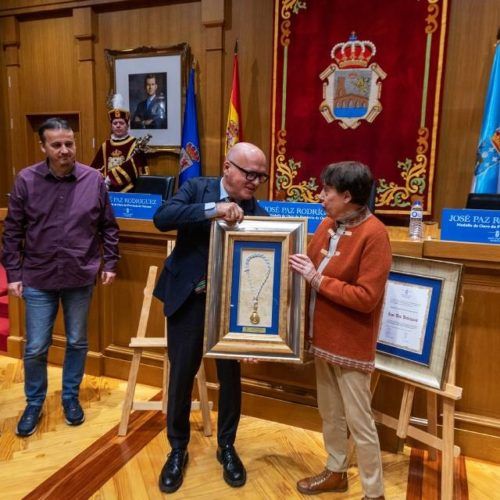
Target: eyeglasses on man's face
(251,175)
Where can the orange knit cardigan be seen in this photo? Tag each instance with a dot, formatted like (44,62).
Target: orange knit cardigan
(349,300)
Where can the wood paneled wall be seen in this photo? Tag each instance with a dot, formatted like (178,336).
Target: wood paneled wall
(471,42)
(151,26)
(52,75)
(62,69)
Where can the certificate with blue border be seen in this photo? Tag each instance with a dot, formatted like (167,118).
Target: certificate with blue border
(409,315)
(417,319)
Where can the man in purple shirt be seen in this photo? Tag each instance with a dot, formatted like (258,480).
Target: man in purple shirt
(58,221)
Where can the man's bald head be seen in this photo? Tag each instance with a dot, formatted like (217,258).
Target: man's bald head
(246,150)
(245,168)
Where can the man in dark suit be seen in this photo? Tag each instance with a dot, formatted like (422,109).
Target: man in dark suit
(151,112)
(182,287)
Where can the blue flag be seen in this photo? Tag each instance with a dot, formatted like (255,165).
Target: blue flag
(190,158)
(487,172)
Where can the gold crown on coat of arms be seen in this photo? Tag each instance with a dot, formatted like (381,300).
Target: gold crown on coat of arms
(354,53)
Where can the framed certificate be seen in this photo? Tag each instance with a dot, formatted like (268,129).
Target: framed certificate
(416,324)
(409,316)
(255,304)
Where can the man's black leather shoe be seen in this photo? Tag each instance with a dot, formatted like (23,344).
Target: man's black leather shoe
(234,471)
(171,476)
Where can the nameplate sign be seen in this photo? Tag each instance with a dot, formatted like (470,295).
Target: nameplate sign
(314,212)
(475,226)
(135,205)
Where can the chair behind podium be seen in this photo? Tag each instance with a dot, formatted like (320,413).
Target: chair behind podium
(483,201)
(155,184)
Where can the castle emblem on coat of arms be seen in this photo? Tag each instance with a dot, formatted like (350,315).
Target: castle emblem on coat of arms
(351,85)
(189,154)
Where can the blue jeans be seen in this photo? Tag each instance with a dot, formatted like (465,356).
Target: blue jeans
(41,311)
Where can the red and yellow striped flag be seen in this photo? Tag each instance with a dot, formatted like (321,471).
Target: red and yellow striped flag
(234,129)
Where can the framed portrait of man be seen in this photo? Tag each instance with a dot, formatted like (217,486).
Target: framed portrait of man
(148,100)
(255,304)
(153,83)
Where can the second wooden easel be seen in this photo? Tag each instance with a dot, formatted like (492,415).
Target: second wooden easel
(450,393)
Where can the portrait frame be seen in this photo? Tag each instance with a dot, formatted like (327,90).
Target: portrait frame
(169,65)
(250,260)
(418,318)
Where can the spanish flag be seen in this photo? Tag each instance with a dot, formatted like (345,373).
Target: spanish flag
(234,131)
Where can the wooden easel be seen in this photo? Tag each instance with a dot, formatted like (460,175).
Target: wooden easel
(140,342)
(449,394)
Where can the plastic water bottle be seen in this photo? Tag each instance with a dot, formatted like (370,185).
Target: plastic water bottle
(415,230)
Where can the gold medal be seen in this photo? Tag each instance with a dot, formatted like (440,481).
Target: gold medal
(255,318)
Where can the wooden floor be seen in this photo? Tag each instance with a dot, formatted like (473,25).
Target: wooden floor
(91,461)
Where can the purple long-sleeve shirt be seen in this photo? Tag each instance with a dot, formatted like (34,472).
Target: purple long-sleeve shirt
(55,228)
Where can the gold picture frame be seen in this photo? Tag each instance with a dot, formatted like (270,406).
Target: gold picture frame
(157,113)
(255,303)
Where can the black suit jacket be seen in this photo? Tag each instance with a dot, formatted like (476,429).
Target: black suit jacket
(187,264)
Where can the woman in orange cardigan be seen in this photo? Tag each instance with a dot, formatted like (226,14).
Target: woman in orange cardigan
(347,264)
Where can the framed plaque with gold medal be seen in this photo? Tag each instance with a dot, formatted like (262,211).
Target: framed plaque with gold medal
(255,304)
